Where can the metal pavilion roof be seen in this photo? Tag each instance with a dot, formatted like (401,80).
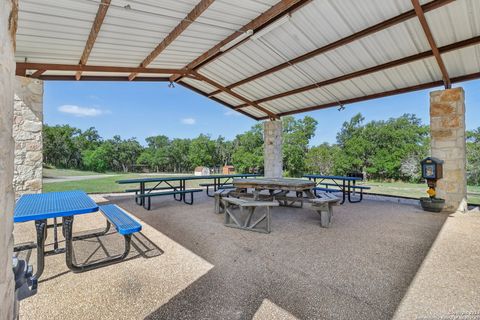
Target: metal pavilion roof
(263,58)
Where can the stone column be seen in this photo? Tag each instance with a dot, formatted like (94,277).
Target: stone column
(8,21)
(447,130)
(27,133)
(272,148)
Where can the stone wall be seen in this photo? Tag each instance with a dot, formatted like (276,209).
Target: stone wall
(27,133)
(272,148)
(447,129)
(8,11)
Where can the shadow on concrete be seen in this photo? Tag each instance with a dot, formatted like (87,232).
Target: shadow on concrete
(360,268)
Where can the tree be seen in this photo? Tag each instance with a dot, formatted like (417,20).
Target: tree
(296,137)
(321,159)
(201,152)
(248,150)
(59,146)
(473,156)
(379,147)
(123,153)
(96,159)
(179,155)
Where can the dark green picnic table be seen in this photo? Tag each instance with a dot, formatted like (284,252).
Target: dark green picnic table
(176,185)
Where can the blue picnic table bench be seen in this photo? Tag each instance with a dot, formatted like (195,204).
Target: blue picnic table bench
(344,184)
(176,186)
(66,205)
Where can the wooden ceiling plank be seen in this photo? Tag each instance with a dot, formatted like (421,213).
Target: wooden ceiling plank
(344,41)
(92,37)
(282,8)
(431,41)
(387,65)
(177,31)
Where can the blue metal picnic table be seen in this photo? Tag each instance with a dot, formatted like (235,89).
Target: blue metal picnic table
(169,181)
(43,206)
(345,184)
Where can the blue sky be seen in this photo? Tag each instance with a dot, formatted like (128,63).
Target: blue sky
(136,109)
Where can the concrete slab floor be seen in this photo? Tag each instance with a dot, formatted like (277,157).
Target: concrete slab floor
(187,265)
(447,286)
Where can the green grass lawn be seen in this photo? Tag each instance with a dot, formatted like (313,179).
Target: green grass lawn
(53,173)
(108,184)
(415,190)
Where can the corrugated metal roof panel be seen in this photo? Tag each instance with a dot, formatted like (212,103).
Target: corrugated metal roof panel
(464,61)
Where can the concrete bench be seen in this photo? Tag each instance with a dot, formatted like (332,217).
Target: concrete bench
(247,207)
(323,204)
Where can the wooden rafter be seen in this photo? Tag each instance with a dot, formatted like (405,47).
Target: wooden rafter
(391,64)
(431,41)
(97,24)
(38,73)
(177,31)
(83,68)
(282,8)
(422,86)
(341,42)
(198,76)
(102,78)
(186,85)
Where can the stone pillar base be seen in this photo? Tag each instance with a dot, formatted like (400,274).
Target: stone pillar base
(447,129)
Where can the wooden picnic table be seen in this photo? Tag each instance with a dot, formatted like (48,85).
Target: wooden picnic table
(278,188)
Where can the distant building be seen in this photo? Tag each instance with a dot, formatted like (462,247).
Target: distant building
(228,169)
(202,171)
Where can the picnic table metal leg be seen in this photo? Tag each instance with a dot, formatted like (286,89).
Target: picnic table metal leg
(142,192)
(41,229)
(185,198)
(69,251)
(55,238)
(343,192)
(349,198)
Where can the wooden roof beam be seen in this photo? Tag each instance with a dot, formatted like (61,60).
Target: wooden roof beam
(282,8)
(422,86)
(97,24)
(198,76)
(186,85)
(177,31)
(387,65)
(431,41)
(101,78)
(341,42)
(83,68)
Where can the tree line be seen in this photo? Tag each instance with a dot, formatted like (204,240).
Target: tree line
(384,150)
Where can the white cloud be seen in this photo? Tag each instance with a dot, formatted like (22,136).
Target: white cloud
(189,121)
(231,113)
(81,111)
